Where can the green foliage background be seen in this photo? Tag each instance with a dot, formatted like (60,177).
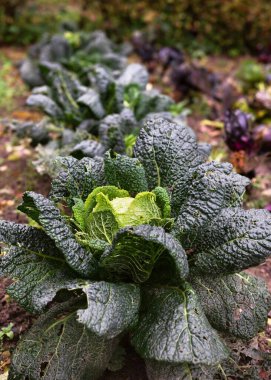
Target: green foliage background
(25,21)
(233,26)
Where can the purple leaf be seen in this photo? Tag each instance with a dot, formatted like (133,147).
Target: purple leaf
(237,126)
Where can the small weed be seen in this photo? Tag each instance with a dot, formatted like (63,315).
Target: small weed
(6,332)
(10,87)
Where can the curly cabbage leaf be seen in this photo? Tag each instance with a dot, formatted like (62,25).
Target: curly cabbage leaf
(237,304)
(111,308)
(44,212)
(235,240)
(174,329)
(59,347)
(136,251)
(125,172)
(211,188)
(167,152)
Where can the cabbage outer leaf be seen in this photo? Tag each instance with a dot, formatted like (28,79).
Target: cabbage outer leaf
(174,329)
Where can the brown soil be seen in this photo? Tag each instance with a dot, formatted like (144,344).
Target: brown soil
(134,368)
(10,312)
(17,175)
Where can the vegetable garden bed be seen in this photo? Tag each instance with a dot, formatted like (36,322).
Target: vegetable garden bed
(144,174)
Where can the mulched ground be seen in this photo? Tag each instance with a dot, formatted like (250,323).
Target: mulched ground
(10,312)
(17,175)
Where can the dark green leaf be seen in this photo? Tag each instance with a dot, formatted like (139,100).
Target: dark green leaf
(112,308)
(237,239)
(53,49)
(136,250)
(77,179)
(134,74)
(63,83)
(125,173)
(88,148)
(162,102)
(30,73)
(128,122)
(205,149)
(98,42)
(64,90)
(37,132)
(46,104)
(151,102)
(114,61)
(58,347)
(174,329)
(37,277)
(237,304)
(167,151)
(211,187)
(92,100)
(110,133)
(27,237)
(113,98)
(100,78)
(44,212)
(113,129)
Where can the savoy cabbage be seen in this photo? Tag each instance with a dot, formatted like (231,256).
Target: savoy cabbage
(153,246)
(91,104)
(66,99)
(75,51)
(86,121)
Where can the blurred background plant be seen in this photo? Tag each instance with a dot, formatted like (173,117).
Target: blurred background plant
(10,86)
(212,26)
(25,21)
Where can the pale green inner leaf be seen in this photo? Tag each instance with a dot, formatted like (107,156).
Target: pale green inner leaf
(135,211)
(108,209)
